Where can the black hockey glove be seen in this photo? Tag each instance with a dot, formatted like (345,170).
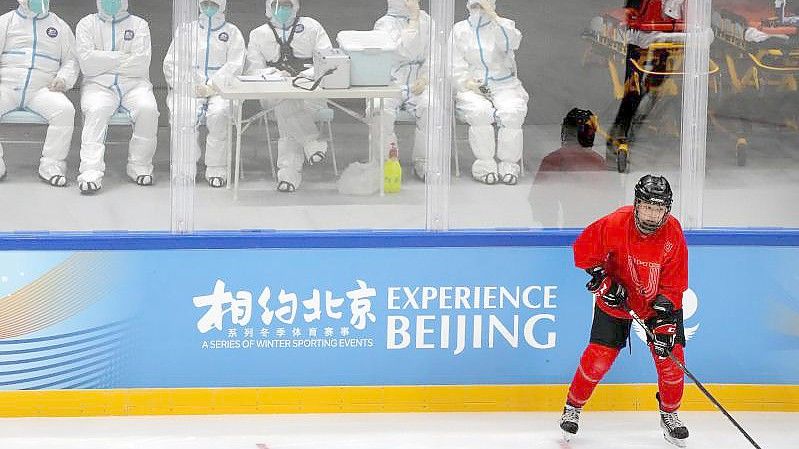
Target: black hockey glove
(664,326)
(611,292)
(598,276)
(662,306)
(665,331)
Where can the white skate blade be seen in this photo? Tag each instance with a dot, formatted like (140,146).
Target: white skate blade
(674,441)
(567,436)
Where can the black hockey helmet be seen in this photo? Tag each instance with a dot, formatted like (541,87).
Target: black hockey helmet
(655,190)
(580,126)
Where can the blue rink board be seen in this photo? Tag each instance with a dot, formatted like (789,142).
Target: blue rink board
(351,308)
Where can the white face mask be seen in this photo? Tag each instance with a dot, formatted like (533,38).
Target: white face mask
(39,7)
(209,9)
(111,7)
(283,14)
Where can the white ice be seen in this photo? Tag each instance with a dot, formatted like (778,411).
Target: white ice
(598,430)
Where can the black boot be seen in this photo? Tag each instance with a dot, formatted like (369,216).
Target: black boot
(674,431)
(569,421)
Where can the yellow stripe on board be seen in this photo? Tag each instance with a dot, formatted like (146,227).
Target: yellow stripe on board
(484,398)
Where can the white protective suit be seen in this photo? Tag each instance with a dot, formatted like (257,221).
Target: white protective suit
(218,56)
(413,37)
(785,17)
(37,64)
(114,54)
(483,57)
(299,135)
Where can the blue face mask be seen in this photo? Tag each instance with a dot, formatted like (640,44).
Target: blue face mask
(39,6)
(283,14)
(209,9)
(111,7)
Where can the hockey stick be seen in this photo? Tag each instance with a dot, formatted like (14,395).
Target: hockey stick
(702,388)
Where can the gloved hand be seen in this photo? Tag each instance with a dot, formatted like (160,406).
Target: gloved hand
(611,292)
(664,326)
(474,86)
(662,306)
(489,11)
(665,330)
(419,85)
(413,9)
(57,85)
(204,90)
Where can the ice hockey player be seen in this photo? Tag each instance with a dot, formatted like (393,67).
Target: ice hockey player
(638,259)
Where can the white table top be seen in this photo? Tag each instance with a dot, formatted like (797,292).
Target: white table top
(266,90)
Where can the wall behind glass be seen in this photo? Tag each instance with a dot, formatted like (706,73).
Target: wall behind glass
(121,204)
(753,134)
(321,198)
(573,54)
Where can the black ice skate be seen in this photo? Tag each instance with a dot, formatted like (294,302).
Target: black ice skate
(569,421)
(674,431)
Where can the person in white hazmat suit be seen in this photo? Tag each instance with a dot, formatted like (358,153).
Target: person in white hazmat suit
(218,55)
(407,25)
(114,50)
(489,92)
(37,66)
(282,46)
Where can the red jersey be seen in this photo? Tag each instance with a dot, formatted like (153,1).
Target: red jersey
(647,265)
(648,15)
(571,158)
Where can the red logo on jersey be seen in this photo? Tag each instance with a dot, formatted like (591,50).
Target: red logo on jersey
(667,329)
(646,276)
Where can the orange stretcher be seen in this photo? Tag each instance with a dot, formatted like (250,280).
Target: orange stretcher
(658,70)
(761,56)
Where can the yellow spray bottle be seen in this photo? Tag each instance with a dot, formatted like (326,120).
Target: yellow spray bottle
(392,171)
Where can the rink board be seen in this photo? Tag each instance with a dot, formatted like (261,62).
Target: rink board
(283,322)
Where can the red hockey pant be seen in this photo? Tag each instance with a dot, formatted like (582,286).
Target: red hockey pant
(597,360)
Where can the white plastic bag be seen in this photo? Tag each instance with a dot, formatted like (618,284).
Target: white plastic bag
(360,179)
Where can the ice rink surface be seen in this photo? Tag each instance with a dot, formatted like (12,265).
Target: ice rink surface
(598,430)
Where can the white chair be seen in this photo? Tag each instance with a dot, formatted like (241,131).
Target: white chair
(27,117)
(324,116)
(406,118)
(120,118)
(229,157)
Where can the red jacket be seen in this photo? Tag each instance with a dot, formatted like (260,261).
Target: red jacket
(647,266)
(571,158)
(648,15)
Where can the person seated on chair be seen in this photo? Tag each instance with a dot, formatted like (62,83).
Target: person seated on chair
(284,45)
(488,91)
(36,67)
(407,25)
(114,50)
(220,51)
